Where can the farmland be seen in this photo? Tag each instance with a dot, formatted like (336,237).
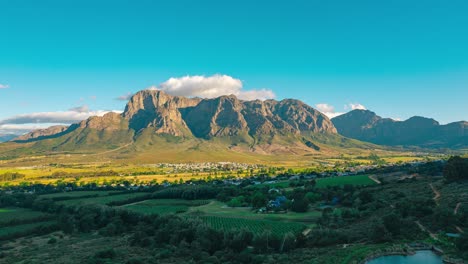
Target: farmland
(75,195)
(254,226)
(105,199)
(163,206)
(16,222)
(24,229)
(219,209)
(11,216)
(344,180)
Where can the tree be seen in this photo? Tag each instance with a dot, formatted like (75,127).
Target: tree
(258,200)
(456,169)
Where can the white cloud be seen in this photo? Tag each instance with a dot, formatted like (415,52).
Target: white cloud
(19,129)
(26,122)
(355,106)
(124,97)
(328,110)
(4,86)
(80,109)
(212,86)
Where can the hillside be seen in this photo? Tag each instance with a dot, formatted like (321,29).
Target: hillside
(416,131)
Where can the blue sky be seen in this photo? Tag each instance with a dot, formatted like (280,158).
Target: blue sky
(397,58)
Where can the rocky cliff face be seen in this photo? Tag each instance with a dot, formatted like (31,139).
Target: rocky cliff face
(159,111)
(222,116)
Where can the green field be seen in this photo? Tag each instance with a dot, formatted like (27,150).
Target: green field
(75,194)
(8,216)
(103,200)
(25,229)
(164,206)
(255,226)
(343,180)
(220,209)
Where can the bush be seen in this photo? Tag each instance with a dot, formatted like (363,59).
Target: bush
(106,254)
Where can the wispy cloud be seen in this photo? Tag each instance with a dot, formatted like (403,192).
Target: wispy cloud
(354,106)
(212,86)
(328,110)
(124,97)
(26,122)
(4,86)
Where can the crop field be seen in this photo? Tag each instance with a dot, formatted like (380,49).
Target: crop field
(24,229)
(75,194)
(220,209)
(255,226)
(103,199)
(159,210)
(10,216)
(343,180)
(164,206)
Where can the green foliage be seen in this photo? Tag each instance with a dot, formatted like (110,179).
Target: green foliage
(456,169)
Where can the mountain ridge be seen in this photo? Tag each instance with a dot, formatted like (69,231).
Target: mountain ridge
(417,131)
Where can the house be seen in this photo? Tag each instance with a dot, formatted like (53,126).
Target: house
(279,200)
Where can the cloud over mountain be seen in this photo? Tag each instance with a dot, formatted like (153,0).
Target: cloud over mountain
(328,110)
(211,87)
(27,122)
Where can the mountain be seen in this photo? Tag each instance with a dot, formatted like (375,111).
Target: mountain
(157,123)
(41,133)
(418,131)
(7,137)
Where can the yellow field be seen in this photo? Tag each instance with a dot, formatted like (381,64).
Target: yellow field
(62,170)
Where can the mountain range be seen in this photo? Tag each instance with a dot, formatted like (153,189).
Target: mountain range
(417,131)
(156,122)
(7,137)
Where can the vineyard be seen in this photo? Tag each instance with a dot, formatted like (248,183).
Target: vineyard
(164,206)
(344,180)
(106,200)
(255,226)
(73,195)
(25,229)
(11,216)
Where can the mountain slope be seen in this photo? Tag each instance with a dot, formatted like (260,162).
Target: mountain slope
(416,131)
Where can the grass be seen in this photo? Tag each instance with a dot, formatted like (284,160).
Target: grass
(103,200)
(10,216)
(255,226)
(343,180)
